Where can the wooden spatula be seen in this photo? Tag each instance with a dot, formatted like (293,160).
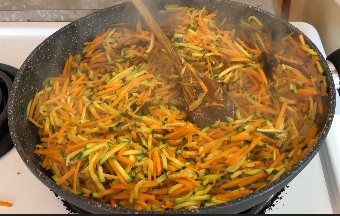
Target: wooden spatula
(205,100)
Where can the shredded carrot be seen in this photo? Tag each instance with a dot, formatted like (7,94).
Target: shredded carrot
(67,67)
(124,160)
(232,195)
(34,103)
(203,86)
(65,177)
(281,114)
(75,176)
(277,161)
(312,133)
(320,106)
(294,61)
(245,150)
(62,130)
(96,42)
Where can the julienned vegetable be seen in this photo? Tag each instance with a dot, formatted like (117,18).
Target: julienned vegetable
(113,128)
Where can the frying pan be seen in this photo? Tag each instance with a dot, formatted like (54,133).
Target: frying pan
(48,59)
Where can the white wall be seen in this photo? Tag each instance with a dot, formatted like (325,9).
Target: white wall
(324,15)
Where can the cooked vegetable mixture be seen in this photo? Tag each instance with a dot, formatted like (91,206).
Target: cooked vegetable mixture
(113,127)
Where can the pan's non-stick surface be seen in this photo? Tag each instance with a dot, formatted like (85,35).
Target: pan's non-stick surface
(48,60)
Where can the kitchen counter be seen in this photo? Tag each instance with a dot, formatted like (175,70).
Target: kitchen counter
(65,10)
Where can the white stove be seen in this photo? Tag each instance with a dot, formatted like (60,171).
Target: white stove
(315,190)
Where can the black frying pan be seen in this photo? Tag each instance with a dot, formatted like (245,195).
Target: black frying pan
(48,60)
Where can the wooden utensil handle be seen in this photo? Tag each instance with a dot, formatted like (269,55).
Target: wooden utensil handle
(149,19)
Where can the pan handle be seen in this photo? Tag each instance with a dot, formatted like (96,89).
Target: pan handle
(333,61)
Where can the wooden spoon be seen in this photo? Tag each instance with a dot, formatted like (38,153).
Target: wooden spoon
(205,100)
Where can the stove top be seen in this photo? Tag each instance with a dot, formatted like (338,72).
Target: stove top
(28,195)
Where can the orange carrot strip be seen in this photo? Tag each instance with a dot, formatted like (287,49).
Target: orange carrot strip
(148,184)
(93,123)
(131,85)
(203,135)
(62,130)
(185,183)
(193,181)
(125,195)
(67,66)
(320,105)
(179,132)
(56,87)
(108,192)
(241,137)
(6,204)
(226,152)
(169,204)
(150,169)
(46,152)
(171,168)
(263,75)
(294,61)
(95,43)
(55,99)
(161,191)
(179,192)
(312,133)
(232,194)
(72,148)
(34,103)
(157,162)
(306,92)
(122,186)
(144,197)
(299,75)
(36,123)
(277,161)
(65,176)
(252,179)
(75,176)
(280,116)
(263,108)
(192,69)
(105,91)
(70,109)
(246,150)
(240,60)
(124,160)
(77,90)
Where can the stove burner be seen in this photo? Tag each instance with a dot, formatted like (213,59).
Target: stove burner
(6,143)
(258,209)
(7,75)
